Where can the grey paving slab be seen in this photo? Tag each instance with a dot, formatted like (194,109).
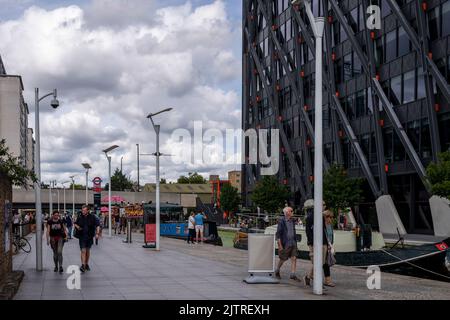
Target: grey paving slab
(127,271)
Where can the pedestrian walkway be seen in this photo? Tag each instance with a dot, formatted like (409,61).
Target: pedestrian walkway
(122,271)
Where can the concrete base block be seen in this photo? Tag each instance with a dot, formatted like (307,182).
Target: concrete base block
(440,212)
(266,279)
(388,218)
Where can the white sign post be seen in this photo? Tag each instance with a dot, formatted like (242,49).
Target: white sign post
(261,258)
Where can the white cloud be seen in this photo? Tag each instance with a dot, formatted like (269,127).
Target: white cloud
(110,73)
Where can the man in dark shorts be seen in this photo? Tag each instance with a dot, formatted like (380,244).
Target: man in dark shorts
(87,228)
(287,243)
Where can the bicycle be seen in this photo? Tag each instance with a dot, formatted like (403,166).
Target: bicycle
(21,243)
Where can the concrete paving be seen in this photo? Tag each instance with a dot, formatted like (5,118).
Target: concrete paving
(123,271)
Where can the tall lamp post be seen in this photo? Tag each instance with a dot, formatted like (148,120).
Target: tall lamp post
(109,186)
(137,146)
(64,194)
(157,154)
(73,194)
(317,25)
(37,170)
(87,166)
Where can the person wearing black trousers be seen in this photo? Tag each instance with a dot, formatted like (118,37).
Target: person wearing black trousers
(191,228)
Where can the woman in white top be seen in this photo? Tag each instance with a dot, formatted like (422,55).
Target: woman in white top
(191,227)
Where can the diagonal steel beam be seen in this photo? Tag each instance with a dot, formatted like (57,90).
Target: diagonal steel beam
(381,159)
(437,75)
(402,135)
(343,117)
(284,139)
(432,116)
(381,94)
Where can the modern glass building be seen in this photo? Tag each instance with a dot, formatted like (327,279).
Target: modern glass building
(386,97)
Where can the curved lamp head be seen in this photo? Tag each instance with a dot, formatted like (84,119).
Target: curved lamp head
(87,166)
(110,149)
(155,114)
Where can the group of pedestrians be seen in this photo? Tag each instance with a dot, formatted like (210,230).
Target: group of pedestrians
(287,244)
(59,231)
(196,227)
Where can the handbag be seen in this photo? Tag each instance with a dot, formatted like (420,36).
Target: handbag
(331,260)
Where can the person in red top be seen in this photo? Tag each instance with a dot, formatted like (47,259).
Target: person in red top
(56,236)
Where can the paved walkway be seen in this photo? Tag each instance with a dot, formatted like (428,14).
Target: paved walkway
(179,271)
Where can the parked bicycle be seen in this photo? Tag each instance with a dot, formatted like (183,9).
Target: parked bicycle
(21,243)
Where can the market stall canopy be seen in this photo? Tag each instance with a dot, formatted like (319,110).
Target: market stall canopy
(114,199)
(104,209)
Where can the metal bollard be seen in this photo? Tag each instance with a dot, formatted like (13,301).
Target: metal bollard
(128,232)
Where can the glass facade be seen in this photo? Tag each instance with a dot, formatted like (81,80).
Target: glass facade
(401,76)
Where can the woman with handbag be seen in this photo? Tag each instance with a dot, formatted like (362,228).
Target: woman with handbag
(330,260)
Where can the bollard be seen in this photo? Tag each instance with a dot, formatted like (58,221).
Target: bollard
(128,240)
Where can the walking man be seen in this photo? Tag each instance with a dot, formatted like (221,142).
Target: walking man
(87,228)
(199,225)
(69,224)
(287,243)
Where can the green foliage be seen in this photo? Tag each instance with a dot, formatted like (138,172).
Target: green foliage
(229,198)
(192,178)
(269,194)
(10,166)
(439,175)
(339,190)
(119,182)
(78,186)
(163,181)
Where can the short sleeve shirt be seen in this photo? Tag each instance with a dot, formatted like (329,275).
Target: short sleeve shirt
(199,219)
(56,228)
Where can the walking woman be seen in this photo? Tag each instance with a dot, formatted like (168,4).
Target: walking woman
(56,236)
(328,215)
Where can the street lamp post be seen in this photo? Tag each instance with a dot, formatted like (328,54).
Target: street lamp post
(37,170)
(138,182)
(317,25)
(109,186)
(50,198)
(87,166)
(57,193)
(157,154)
(73,194)
(64,194)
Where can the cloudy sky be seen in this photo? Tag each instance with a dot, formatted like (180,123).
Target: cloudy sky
(114,62)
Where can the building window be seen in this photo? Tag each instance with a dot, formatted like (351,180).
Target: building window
(348,67)
(388,145)
(404,45)
(421,91)
(390,47)
(446,19)
(434,23)
(379,56)
(349,108)
(409,86)
(425,140)
(395,95)
(361,109)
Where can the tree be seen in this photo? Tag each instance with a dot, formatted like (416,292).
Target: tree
(78,186)
(439,175)
(339,190)
(192,178)
(163,181)
(269,194)
(229,198)
(11,167)
(119,182)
